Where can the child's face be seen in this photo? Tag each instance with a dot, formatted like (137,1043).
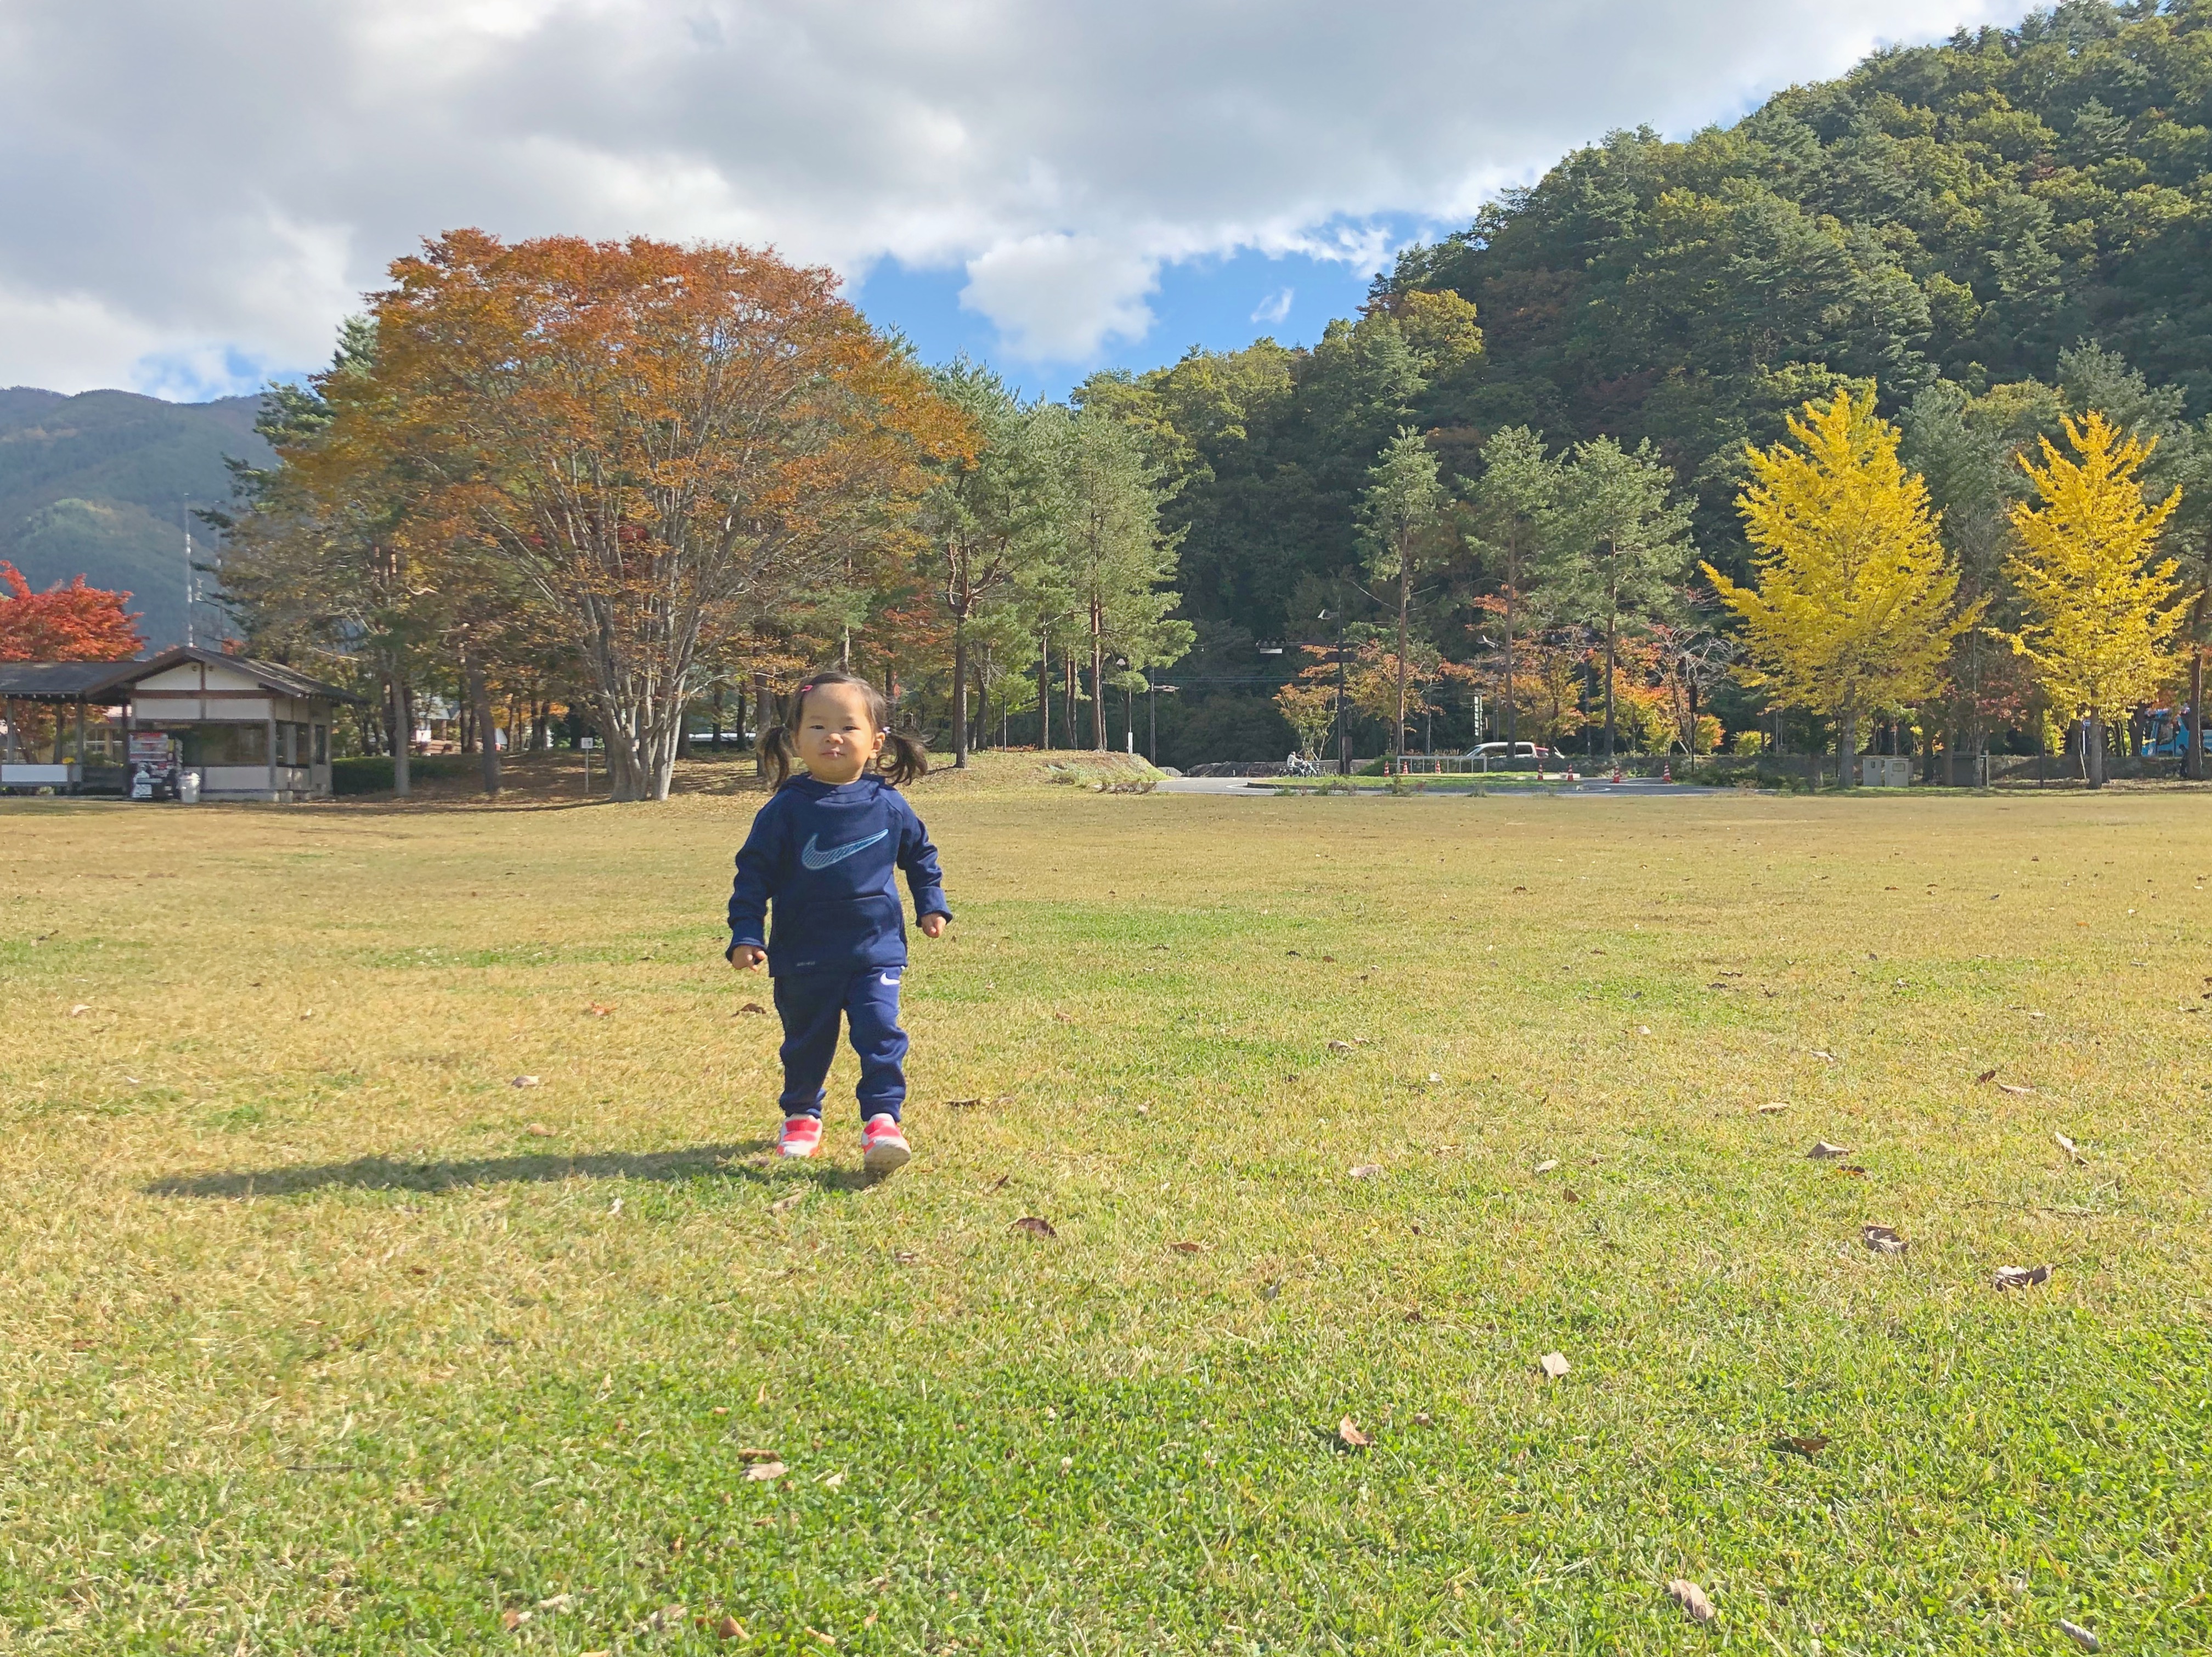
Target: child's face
(837,739)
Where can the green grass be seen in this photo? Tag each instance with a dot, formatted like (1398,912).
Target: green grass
(318,1335)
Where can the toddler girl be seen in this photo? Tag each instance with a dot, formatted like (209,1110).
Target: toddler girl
(826,851)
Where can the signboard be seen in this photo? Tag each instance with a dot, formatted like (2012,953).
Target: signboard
(149,748)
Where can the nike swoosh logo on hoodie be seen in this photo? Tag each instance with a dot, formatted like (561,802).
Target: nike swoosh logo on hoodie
(814,856)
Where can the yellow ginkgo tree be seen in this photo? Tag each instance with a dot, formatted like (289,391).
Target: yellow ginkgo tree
(1856,606)
(2100,605)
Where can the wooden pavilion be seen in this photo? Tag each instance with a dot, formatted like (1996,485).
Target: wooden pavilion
(250,729)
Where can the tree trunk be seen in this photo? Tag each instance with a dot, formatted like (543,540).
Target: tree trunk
(480,707)
(1098,681)
(2092,751)
(1405,601)
(1511,581)
(2193,761)
(1611,635)
(1847,743)
(959,695)
(1044,692)
(402,737)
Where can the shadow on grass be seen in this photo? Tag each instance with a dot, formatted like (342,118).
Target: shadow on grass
(382,1174)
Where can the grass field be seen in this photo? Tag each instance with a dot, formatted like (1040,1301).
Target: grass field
(318,1334)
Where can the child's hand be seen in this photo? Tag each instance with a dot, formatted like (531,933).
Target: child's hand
(745,957)
(933,926)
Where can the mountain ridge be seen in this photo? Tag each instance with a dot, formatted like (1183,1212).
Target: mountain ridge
(96,483)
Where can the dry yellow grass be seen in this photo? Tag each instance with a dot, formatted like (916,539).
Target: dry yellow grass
(316,1332)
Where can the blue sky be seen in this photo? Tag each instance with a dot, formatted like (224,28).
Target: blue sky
(1223,303)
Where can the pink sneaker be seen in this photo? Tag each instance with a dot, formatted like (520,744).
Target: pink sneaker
(801,1134)
(883,1147)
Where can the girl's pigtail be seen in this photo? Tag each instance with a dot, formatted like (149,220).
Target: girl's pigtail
(905,758)
(776,752)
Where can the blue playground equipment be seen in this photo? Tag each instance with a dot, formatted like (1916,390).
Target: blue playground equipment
(2169,733)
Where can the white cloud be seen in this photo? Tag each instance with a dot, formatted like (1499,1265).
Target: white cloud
(1059,298)
(212,183)
(1271,310)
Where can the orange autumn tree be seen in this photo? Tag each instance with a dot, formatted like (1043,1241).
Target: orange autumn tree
(641,437)
(72,623)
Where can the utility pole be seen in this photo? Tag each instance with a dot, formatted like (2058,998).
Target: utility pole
(1343,729)
(191,583)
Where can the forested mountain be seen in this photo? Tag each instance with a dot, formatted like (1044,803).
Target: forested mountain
(94,485)
(1949,217)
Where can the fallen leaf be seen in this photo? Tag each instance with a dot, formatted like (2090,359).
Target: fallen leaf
(79,1009)
(1339,1047)
(1882,1240)
(1692,1600)
(511,1619)
(1423,1419)
(1809,1446)
(1822,1052)
(835,1481)
(600,1010)
(816,1632)
(1366,1170)
(1554,1364)
(962,1104)
(906,1257)
(538,1131)
(2074,1631)
(755,1455)
(997,1184)
(1034,1226)
(785,1204)
(1571,1194)
(730,1628)
(2020,1277)
(753,1007)
(1184,1248)
(1852,1170)
(1989,1075)
(667,1616)
(523,1082)
(1643,1029)
(1348,1433)
(1064,1018)
(1770,1110)
(1546,1166)
(1822,1151)
(721,1409)
(2013,1087)
(760,1471)
(2067,1146)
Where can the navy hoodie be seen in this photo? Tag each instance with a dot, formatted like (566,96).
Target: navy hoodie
(828,858)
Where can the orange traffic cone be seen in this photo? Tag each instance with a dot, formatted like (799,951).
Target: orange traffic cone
(1667,772)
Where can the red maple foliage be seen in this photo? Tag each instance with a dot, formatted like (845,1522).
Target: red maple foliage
(72,623)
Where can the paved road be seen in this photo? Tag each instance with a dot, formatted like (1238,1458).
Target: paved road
(1629,788)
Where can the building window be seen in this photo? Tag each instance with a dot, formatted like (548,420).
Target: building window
(227,744)
(322,744)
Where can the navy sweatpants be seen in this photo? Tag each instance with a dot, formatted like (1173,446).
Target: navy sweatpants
(811,1006)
